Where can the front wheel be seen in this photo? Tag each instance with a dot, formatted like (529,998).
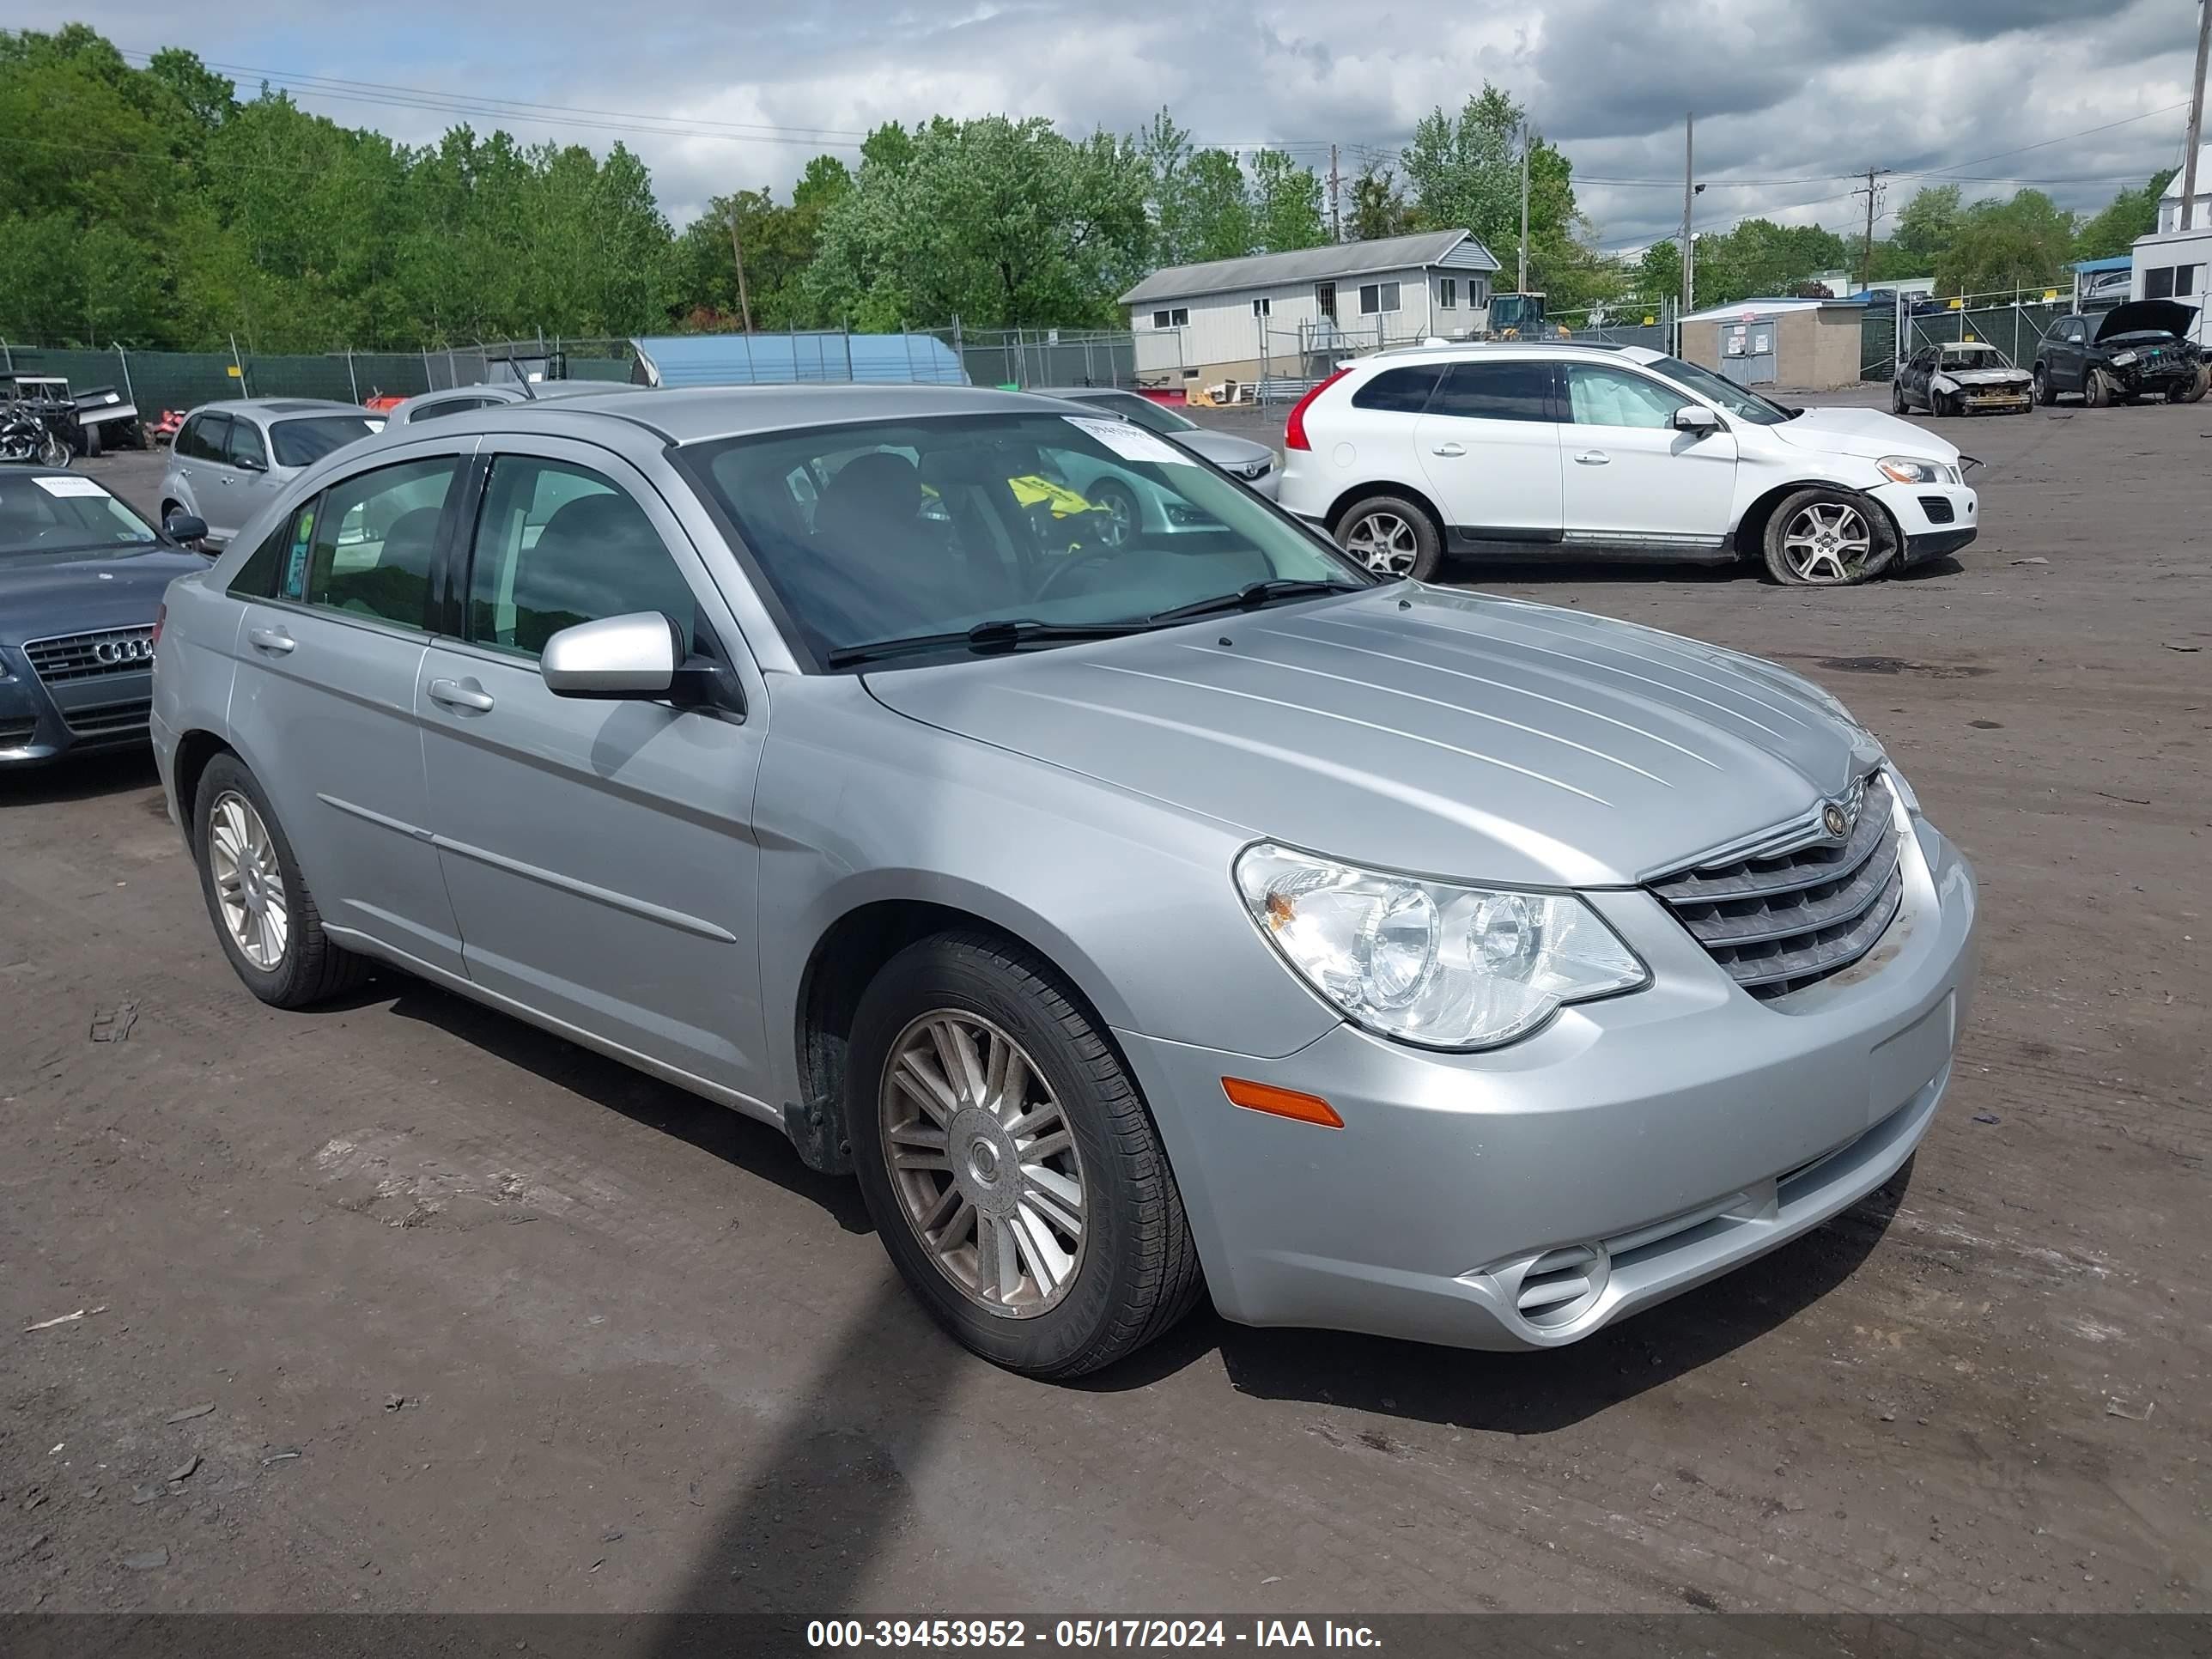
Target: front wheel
(1827,538)
(2046,394)
(53,452)
(2099,390)
(1012,1171)
(1898,403)
(1392,537)
(1124,517)
(2193,389)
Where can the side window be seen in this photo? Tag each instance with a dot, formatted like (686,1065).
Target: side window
(370,542)
(451,406)
(1599,396)
(246,448)
(1514,389)
(2158,283)
(187,444)
(558,544)
(211,439)
(258,578)
(1400,391)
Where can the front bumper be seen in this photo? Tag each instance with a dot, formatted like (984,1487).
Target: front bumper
(1649,1143)
(1933,519)
(39,723)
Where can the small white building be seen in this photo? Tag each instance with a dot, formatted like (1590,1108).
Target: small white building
(2175,264)
(1232,319)
(2169,205)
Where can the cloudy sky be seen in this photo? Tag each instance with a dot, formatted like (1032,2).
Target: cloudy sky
(1789,95)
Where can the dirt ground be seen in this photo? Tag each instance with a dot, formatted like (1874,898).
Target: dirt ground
(402,1305)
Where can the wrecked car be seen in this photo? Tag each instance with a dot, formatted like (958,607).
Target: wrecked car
(2136,351)
(1963,377)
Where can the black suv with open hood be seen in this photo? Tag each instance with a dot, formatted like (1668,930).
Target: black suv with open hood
(2134,350)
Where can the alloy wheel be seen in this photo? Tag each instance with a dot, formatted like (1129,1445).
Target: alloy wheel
(1826,542)
(984,1164)
(1384,543)
(248,882)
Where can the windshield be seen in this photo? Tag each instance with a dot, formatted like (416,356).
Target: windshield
(301,443)
(1143,410)
(1973,356)
(1744,405)
(905,530)
(43,514)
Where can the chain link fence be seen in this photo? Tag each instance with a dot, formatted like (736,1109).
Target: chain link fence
(2013,321)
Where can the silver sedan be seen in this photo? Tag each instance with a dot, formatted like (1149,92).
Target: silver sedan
(1138,917)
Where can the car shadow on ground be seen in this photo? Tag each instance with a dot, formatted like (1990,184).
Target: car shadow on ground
(79,777)
(719,1131)
(1459,572)
(1529,1393)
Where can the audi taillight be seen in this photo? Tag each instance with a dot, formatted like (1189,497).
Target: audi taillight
(1294,430)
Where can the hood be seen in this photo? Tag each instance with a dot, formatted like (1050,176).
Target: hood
(1990,376)
(1223,448)
(2147,316)
(1870,433)
(1422,729)
(43,594)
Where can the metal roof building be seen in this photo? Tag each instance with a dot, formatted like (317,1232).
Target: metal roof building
(1226,318)
(790,359)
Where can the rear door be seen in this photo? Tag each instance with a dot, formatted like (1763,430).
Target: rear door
(600,854)
(1489,445)
(323,704)
(1633,481)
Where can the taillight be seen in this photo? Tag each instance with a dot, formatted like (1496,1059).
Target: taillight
(1294,430)
(160,615)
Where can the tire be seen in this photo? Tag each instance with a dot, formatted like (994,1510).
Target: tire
(2046,394)
(1120,502)
(53,452)
(91,442)
(2194,390)
(305,967)
(1133,1269)
(1899,404)
(1862,541)
(2098,390)
(1392,537)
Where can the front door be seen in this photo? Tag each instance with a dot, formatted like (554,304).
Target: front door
(2065,355)
(1632,480)
(1489,445)
(323,703)
(600,854)
(205,467)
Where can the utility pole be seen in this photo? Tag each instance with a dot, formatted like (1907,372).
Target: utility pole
(1689,199)
(737,254)
(1872,192)
(1335,215)
(2195,116)
(1522,285)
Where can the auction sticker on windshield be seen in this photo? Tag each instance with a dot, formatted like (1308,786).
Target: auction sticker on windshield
(68,486)
(1131,443)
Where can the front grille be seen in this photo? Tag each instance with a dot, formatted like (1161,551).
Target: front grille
(1938,508)
(82,656)
(1778,923)
(108,720)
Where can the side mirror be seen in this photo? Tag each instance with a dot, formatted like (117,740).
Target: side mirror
(615,658)
(248,464)
(184,527)
(1696,420)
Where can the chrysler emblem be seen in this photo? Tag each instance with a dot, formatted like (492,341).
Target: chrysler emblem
(1833,820)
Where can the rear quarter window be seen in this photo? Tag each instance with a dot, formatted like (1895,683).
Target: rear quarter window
(1400,391)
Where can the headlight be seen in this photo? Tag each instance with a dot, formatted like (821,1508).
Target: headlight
(1433,963)
(1911,469)
(2122,359)
(1901,788)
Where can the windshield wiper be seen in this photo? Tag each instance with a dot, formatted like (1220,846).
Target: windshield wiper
(1253,595)
(1000,634)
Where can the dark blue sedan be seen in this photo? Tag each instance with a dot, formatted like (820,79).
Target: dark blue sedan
(81,575)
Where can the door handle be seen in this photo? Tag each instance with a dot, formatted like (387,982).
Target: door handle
(1449,449)
(461,694)
(1593,458)
(271,639)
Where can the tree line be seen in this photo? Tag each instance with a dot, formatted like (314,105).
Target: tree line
(154,207)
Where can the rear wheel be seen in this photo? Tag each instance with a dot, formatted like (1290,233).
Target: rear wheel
(1012,1171)
(1827,538)
(1392,537)
(264,917)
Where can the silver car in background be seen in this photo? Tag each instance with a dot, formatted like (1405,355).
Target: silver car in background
(229,460)
(1252,465)
(1139,918)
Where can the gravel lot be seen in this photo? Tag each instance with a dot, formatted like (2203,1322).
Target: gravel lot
(545,1334)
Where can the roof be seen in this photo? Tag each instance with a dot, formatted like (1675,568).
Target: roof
(2203,177)
(2118,262)
(1311,264)
(790,359)
(686,415)
(267,406)
(1767,307)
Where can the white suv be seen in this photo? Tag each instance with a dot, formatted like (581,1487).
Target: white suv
(1595,452)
